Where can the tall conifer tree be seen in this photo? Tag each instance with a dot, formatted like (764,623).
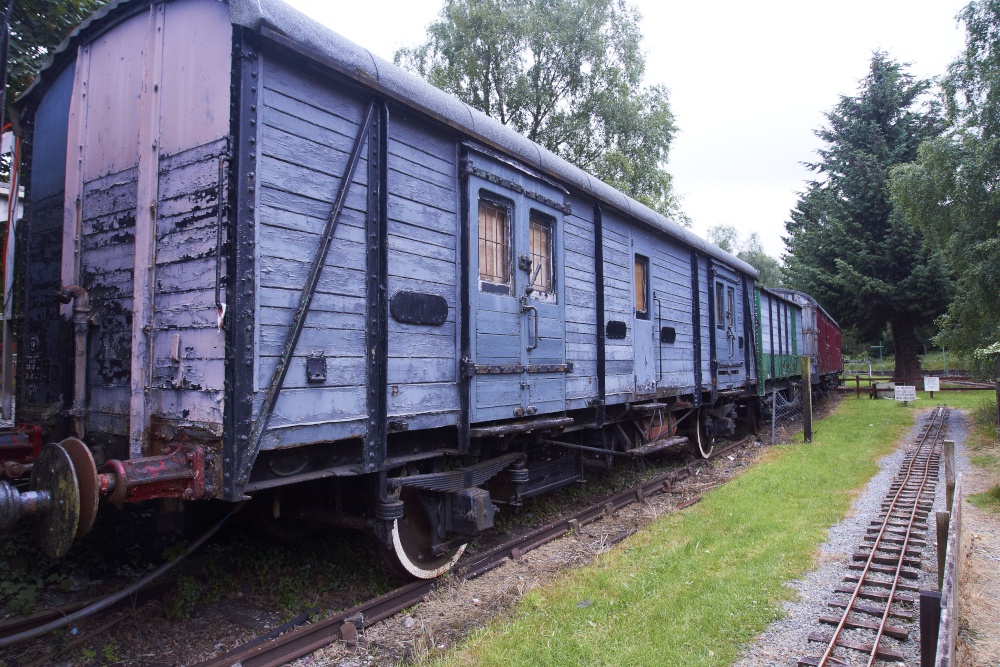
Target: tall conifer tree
(950,192)
(847,243)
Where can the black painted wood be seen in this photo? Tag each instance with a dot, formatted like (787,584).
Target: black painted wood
(237,450)
(419,308)
(600,314)
(696,327)
(616,330)
(376,333)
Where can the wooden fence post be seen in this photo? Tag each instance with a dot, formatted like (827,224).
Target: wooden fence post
(942,543)
(996,376)
(807,400)
(949,473)
(948,631)
(930,625)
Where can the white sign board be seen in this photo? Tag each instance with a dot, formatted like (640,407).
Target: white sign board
(906,394)
(931,384)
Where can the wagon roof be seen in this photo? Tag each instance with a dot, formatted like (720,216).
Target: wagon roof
(810,299)
(277,20)
(778,293)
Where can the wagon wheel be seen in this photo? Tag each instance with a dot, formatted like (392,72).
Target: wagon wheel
(704,436)
(412,540)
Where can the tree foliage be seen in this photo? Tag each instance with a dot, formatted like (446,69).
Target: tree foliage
(950,191)
(36,28)
(565,73)
(848,245)
(751,251)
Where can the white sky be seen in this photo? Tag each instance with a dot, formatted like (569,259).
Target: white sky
(749,83)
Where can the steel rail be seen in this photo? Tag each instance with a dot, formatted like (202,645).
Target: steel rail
(943,413)
(938,419)
(304,640)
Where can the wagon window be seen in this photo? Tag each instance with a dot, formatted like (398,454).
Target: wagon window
(720,307)
(494,247)
(731,312)
(641,287)
(541,256)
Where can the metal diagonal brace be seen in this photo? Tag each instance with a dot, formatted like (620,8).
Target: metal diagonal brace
(298,321)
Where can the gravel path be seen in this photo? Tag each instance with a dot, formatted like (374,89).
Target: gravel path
(786,640)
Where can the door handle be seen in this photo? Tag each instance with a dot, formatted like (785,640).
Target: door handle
(525,307)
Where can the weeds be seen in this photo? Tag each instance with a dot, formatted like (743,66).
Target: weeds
(184,599)
(985,452)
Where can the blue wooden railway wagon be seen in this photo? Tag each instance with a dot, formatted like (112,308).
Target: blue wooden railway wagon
(282,261)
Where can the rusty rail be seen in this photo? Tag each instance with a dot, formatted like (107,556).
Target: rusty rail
(892,548)
(344,625)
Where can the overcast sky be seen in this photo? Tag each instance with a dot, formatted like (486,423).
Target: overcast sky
(749,83)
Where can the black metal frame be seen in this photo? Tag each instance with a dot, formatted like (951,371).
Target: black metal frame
(600,315)
(465,263)
(713,362)
(747,329)
(377,329)
(241,265)
(770,327)
(696,327)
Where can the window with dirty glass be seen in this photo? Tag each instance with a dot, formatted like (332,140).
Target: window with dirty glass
(494,247)
(642,287)
(731,311)
(720,307)
(541,280)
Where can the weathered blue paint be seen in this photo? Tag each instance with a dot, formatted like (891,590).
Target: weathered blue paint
(505,325)
(409,224)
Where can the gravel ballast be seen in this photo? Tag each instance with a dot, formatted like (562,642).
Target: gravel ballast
(787,639)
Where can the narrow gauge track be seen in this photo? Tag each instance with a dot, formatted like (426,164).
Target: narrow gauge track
(271,650)
(891,552)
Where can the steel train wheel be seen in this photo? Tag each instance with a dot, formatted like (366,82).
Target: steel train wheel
(412,542)
(704,436)
(86,477)
(54,473)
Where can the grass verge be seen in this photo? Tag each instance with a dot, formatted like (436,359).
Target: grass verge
(699,584)
(984,450)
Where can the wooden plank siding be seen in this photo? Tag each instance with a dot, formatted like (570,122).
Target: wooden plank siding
(107,243)
(189,350)
(308,127)
(423,246)
(579,293)
(307,130)
(618,305)
(670,269)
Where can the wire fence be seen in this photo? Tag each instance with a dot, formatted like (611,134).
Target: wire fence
(787,414)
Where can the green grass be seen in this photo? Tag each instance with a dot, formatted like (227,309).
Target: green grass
(698,584)
(965,400)
(984,450)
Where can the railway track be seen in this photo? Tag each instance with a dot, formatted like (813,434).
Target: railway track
(876,602)
(289,643)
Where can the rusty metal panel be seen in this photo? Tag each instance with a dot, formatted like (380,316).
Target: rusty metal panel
(197,49)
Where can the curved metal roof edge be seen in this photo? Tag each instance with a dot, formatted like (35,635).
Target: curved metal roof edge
(810,298)
(411,89)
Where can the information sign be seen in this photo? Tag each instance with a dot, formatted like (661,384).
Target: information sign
(906,394)
(931,384)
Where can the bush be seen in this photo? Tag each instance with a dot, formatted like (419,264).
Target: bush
(984,415)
